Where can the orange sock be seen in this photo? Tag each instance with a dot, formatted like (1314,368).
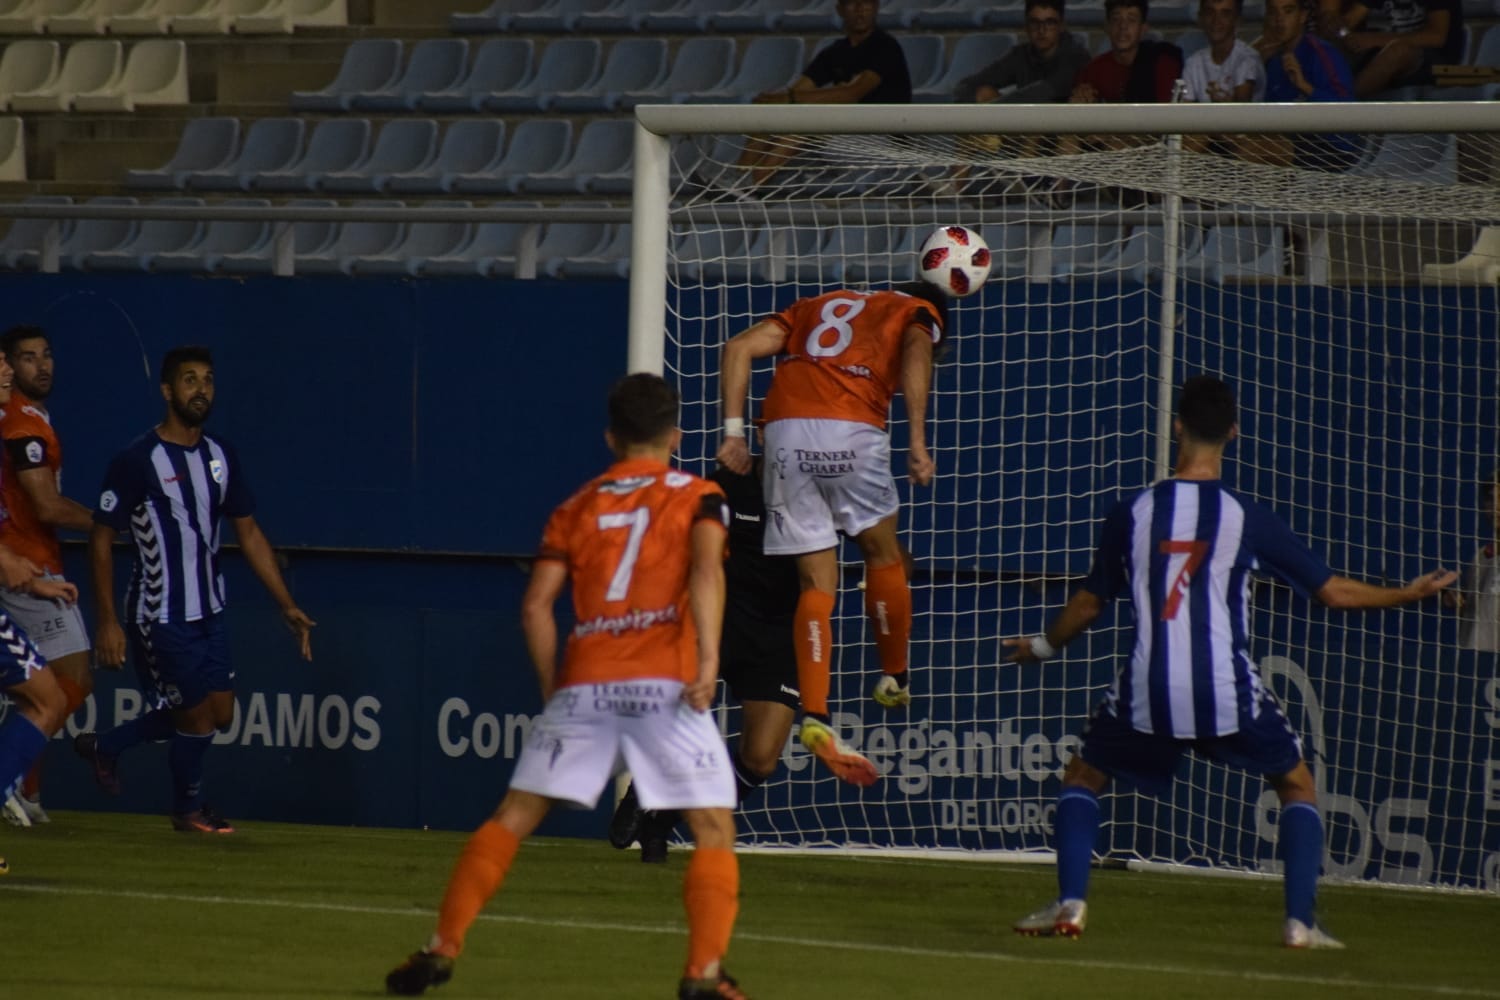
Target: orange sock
(888,603)
(477,876)
(814,643)
(711,896)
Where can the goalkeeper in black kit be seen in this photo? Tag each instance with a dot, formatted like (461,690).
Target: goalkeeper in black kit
(757,660)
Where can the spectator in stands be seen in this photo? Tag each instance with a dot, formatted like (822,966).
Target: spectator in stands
(1478,595)
(1304,66)
(1227,69)
(866,66)
(1136,69)
(1039,72)
(1414,36)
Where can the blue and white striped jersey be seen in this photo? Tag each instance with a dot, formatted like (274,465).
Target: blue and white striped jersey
(170,499)
(1187,549)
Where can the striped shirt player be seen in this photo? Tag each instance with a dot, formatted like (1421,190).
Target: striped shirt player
(841,359)
(1186,550)
(643,547)
(170,491)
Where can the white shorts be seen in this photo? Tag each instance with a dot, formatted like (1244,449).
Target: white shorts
(822,477)
(587,731)
(57,631)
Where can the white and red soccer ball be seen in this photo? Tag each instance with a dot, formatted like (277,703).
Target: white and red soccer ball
(956,259)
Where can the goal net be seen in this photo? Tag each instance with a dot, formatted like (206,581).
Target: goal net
(1340,273)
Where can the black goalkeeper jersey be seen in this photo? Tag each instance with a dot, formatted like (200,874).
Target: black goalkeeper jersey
(758,586)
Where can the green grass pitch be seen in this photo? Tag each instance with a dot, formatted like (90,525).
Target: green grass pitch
(119,906)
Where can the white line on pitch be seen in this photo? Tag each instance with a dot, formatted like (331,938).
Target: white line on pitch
(1356,985)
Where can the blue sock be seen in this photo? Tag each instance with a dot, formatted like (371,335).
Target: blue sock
(153,727)
(1077,826)
(1302,857)
(185,759)
(21,742)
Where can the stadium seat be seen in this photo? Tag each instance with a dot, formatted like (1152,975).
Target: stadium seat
(271,144)
(1084,250)
(92,235)
(1486,53)
(555,16)
(308,238)
(599,164)
(221,237)
(155,74)
(634,64)
(702,65)
(88,67)
(1006,14)
(565,64)
(154,16)
(768,64)
(1428,158)
(369,64)
(953,15)
(924,59)
(295,14)
(970,54)
(403,146)
(218,17)
(28,65)
(491,242)
(500,65)
(811,16)
(692,16)
(336,145)
(627,15)
(474,147)
(21,247)
(1233,253)
(436,64)
(611,260)
(12,149)
(538,146)
(422,241)
(154,236)
(206,144)
(711,255)
(354,240)
(22,17)
(559,239)
(747,16)
(79,17)
(890,255)
(1144,255)
(495,17)
(1480,266)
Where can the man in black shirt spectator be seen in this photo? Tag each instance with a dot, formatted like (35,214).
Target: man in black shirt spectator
(866,66)
(1416,35)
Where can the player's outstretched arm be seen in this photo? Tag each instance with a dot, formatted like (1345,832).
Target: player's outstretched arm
(262,560)
(760,341)
(1343,592)
(109,637)
(916,382)
(539,623)
(1075,617)
(706,603)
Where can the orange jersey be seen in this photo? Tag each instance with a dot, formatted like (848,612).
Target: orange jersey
(30,443)
(626,539)
(842,359)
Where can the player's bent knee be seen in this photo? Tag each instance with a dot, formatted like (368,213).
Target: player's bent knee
(713,828)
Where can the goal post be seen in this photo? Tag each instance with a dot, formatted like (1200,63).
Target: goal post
(1335,263)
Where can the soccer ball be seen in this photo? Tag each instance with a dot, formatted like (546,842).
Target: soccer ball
(956,259)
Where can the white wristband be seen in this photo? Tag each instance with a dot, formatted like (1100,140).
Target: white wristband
(1041,648)
(734,427)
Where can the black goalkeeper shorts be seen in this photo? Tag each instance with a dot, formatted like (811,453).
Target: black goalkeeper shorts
(758,660)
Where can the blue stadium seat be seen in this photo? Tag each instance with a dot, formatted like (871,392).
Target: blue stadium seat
(747,16)
(1085,250)
(336,145)
(891,256)
(354,240)
(152,237)
(1006,14)
(500,65)
(1144,255)
(692,16)
(21,248)
(812,16)
(1239,252)
(423,240)
(768,64)
(91,235)
(924,59)
(954,15)
(469,147)
(558,15)
(538,146)
(222,237)
(711,255)
(498,16)
(308,239)
(270,144)
(559,239)
(702,65)
(599,164)
(370,64)
(565,64)
(1428,158)
(970,54)
(633,64)
(437,64)
(627,15)
(491,242)
(206,144)
(612,260)
(403,146)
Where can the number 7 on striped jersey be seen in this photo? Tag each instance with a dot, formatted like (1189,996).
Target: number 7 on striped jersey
(1195,551)
(637,521)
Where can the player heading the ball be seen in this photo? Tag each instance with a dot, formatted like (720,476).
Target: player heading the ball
(843,356)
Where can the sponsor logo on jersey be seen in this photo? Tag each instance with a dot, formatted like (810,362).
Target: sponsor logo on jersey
(631,621)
